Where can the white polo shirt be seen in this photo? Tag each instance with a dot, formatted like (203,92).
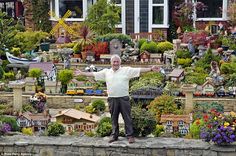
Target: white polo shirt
(117,82)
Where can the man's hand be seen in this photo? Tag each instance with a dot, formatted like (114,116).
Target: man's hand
(155,68)
(79,72)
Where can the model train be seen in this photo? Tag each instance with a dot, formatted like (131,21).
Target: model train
(86,91)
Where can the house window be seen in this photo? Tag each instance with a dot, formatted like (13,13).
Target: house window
(218,10)
(8,8)
(158,13)
(75,6)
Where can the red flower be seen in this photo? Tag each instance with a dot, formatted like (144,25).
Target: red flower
(209,126)
(205,117)
(198,122)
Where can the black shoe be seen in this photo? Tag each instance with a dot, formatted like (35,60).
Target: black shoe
(112,140)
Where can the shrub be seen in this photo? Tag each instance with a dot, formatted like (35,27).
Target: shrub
(99,105)
(1,72)
(183,54)
(89,133)
(164,46)
(89,109)
(141,41)
(158,130)
(184,62)
(55,129)
(28,108)
(27,131)
(164,104)
(9,76)
(104,127)
(125,39)
(151,47)
(195,128)
(11,121)
(144,122)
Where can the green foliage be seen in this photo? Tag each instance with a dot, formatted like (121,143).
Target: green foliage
(125,39)
(206,60)
(35,72)
(41,16)
(103,17)
(7,33)
(183,54)
(184,62)
(228,68)
(147,80)
(158,130)
(232,80)
(81,78)
(1,72)
(9,76)
(55,129)
(104,127)
(195,76)
(164,104)
(28,108)
(144,122)
(89,133)
(89,109)
(29,40)
(164,46)
(141,41)
(65,76)
(27,131)
(11,121)
(195,128)
(99,105)
(150,47)
(77,48)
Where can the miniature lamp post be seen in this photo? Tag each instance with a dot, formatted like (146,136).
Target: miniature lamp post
(188,89)
(17,94)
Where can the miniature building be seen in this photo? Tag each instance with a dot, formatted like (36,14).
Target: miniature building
(48,68)
(169,57)
(105,58)
(74,120)
(176,123)
(145,56)
(52,86)
(156,58)
(30,85)
(2,85)
(37,121)
(177,75)
(208,89)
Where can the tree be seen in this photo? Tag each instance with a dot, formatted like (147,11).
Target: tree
(103,17)
(65,76)
(35,73)
(7,33)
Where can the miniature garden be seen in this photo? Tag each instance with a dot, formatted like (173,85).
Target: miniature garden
(45,64)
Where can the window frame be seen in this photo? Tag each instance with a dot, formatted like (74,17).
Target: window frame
(224,13)
(85,9)
(165,6)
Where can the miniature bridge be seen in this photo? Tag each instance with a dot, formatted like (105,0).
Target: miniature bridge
(93,146)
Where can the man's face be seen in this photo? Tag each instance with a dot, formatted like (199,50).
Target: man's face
(115,63)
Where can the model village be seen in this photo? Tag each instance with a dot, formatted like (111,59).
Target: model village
(193,95)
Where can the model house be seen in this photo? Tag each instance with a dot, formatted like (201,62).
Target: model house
(176,75)
(74,120)
(52,87)
(176,123)
(144,56)
(37,121)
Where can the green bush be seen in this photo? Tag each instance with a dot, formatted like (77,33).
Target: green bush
(195,128)
(183,54)
(89,133)
(141,41)
(99,105)
(164,46)
(11,121)
(151,47)
(158,130)
(9,76)
(28,108)
(144,122)
(1,72)
(55,129)
(125,39)
(184,62)
(89,109)
(104,127)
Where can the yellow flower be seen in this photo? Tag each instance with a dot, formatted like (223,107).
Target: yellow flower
(215,118)
(233,114)
(226,124)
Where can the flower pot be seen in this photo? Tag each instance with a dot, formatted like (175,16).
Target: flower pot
(84,55)
(45,46)
(77,55)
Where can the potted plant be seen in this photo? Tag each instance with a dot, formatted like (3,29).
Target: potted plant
(77,50)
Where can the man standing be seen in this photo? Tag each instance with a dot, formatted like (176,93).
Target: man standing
(117,81)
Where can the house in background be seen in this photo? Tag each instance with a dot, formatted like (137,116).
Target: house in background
(176,123)
(37,121)
(13,8)
(77,121)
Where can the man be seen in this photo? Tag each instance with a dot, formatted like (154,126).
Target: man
(117,81)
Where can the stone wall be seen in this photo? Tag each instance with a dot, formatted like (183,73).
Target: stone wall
(87,146)
(71,101)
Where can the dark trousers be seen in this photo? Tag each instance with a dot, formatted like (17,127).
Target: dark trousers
(121,105)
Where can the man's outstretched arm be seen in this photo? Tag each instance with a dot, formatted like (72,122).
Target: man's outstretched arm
(88,74)
(153,68)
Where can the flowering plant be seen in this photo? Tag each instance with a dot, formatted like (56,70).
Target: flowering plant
(219,128)
(4,128)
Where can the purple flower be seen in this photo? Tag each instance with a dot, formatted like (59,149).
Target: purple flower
(5,128)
